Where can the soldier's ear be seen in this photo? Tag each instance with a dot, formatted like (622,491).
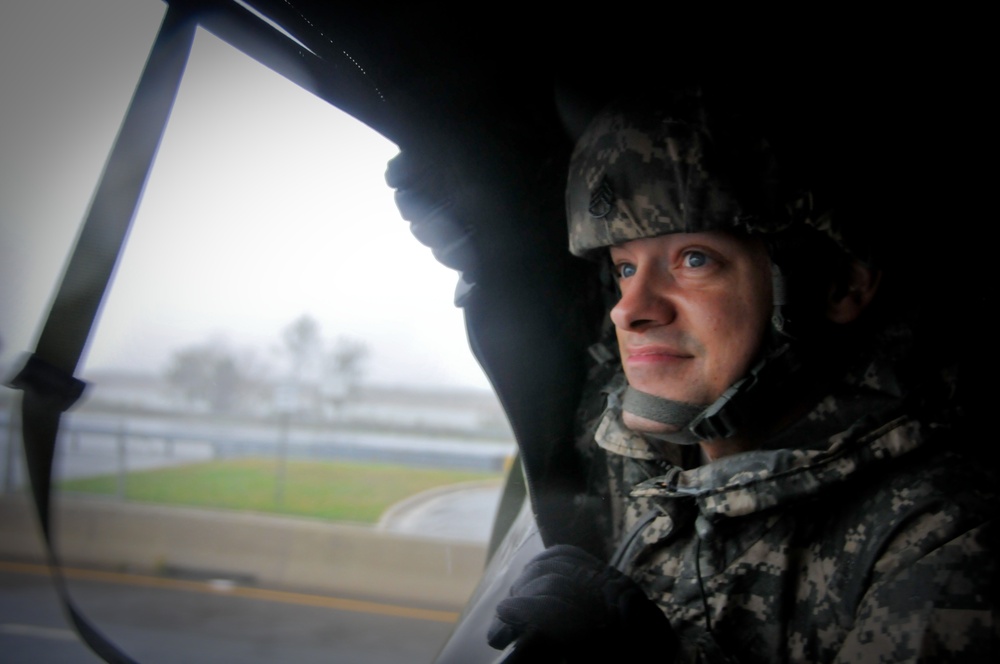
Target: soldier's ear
(846,303)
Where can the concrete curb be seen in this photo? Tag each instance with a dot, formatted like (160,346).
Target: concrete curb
(463,512)
(303,554)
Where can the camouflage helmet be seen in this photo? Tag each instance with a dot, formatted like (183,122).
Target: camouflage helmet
(645,168)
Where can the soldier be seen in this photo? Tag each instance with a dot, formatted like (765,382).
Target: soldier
(785,477)
(786,471)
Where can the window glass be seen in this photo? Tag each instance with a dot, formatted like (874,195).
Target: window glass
(64,88)
(286,450)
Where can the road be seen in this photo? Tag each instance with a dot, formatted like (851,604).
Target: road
(164,620)
(155,620)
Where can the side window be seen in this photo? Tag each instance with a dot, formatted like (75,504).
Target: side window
(287,451)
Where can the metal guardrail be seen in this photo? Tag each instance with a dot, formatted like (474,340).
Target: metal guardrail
(101,446)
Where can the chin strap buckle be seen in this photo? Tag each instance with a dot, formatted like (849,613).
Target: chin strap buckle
(716,421)
(725,417)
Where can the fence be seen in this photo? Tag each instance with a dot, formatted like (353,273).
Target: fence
(101,445)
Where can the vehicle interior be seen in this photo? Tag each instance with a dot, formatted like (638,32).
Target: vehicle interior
(495,95)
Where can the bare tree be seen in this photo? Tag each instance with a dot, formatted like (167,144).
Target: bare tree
(319,375)
(303,343)
(214,375)
(342,370)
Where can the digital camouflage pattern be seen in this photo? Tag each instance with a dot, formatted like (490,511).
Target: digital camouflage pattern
(865,531)
(859,534)
(642,173)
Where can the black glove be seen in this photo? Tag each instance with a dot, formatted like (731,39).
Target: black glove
(435,199)
(573,602)
(485,205)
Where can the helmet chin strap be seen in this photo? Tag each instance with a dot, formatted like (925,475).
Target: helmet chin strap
(744,400)
(675,414)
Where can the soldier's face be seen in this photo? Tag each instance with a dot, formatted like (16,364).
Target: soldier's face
(693,312)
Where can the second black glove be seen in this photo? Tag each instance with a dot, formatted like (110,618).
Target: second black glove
(581,606)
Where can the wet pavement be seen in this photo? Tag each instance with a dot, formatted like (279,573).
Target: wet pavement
(460,512)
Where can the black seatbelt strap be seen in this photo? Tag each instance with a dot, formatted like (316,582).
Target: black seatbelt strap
(46,379)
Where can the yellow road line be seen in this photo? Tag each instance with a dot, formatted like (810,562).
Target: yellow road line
(208,587)
(38,631)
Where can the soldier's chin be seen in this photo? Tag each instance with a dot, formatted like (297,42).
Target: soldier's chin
(646,425)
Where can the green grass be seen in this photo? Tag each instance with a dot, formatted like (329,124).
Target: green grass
(330,490)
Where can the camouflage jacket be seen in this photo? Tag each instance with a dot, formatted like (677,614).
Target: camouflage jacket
(859,535)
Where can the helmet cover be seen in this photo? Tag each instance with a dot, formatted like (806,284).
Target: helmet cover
(641,170)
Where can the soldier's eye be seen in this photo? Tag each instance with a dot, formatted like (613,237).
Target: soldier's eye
(624,270)
(696,259)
